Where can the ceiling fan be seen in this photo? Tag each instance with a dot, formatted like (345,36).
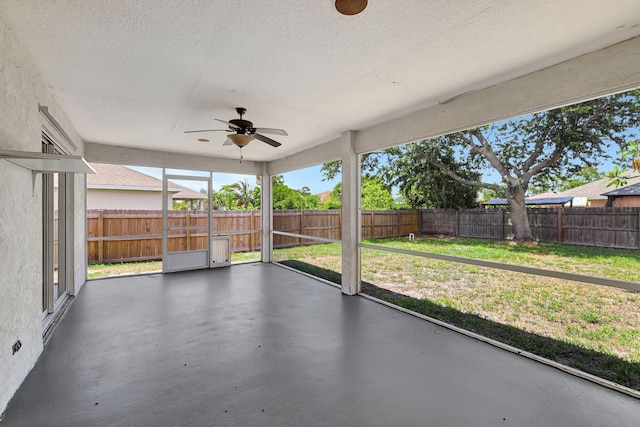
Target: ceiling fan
(242,131)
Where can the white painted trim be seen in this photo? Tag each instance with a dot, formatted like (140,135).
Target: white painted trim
(323,153)
(130,188)
(56,132)
(119,155)
(351,216)
(266,209)
(46,162)
(304,236)
(602,281)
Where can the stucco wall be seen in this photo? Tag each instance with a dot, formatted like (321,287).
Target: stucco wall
(125,199)
(597,203)
(626,202)
(22,90)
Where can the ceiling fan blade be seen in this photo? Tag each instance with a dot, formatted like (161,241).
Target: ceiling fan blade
(267,140)
(228,142)
(271,131)
(231,125)
(206,130)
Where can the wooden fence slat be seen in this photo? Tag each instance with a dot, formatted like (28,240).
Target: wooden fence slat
(100,234)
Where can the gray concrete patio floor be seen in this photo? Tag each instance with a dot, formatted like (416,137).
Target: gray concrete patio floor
(259,345)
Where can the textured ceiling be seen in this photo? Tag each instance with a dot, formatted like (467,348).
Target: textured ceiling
(140,73)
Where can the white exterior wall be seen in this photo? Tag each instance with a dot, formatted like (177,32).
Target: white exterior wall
(121,199)
(21,124)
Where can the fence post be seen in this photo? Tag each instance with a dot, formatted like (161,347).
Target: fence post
(502,221)
(251,236)
(373,224)
(188,222)
(301,226)
(100,233)
(458,222)
(560,214)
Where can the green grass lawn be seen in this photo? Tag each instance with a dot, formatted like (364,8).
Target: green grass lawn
(106,270)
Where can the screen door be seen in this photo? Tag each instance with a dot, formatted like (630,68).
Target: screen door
(186,223)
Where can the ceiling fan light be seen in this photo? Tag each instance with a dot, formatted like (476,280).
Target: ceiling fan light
(240,139)
(351,7)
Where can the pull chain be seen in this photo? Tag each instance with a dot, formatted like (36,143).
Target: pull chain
(241,157)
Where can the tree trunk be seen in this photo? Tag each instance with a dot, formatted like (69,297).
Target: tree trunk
(519,218)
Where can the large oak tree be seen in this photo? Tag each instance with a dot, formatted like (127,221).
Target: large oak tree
(558,142)
(555,144)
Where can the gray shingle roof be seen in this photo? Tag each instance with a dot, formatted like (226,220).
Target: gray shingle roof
(593,191)
(629,190)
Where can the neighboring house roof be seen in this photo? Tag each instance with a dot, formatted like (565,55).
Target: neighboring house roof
(187,193)
(117,177)
(629,190)
(532,201)
(593,190)
(324,196)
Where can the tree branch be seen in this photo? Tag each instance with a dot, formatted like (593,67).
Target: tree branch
(485,150)
(537,151)
(549,161)
(470,182)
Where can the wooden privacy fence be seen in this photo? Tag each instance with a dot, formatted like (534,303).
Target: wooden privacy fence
(136,235)
(603,227)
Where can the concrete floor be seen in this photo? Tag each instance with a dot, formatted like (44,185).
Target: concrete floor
(259,345)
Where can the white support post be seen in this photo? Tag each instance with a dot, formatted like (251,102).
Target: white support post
(350,215)
(266,206)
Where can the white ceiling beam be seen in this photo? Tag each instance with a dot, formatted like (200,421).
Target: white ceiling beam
(118,155)
(319,154)
(610,70)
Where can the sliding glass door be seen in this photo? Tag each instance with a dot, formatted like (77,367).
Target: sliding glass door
(55,224)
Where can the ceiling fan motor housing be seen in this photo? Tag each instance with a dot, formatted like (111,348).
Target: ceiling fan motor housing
(244,125)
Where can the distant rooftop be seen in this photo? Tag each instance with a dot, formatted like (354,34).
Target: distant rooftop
(529,201)
(629,190)
(593,190)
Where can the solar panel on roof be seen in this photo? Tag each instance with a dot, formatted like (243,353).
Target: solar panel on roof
(533,201)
